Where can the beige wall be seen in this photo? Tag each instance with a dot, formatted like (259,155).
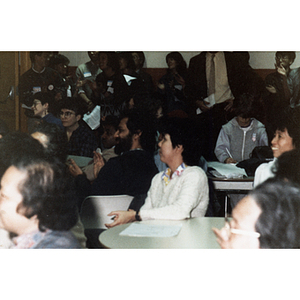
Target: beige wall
(258,59)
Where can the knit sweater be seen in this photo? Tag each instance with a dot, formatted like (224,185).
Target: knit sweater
(185,196)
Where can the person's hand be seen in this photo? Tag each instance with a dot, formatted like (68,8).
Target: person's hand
(222,237)
(80,82)
(280,69)
(180,80)
(271,89)
(161,86)
(98,163)
(74,169)
(91,106)
(203,105)
(230,160)
(121,217)
(229,104)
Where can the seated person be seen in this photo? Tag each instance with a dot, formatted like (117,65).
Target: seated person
(179,192)
(42,107)
(129,173)
(109,141)
(81,140)
(37,206)
(54,140)
(287,166)
(268,218)
(242,134)
(286,138)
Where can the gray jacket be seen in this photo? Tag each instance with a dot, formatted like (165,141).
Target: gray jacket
(239,143)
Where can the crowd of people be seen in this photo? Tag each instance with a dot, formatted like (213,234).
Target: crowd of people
(153,143)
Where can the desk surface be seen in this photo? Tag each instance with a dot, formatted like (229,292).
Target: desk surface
(195,233)
(224,184)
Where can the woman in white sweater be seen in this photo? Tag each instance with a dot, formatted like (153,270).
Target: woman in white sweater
(179,192)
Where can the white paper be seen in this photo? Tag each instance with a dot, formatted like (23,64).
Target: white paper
(227,170)
(211,102)
(129,78)
(147,230)
(93,119)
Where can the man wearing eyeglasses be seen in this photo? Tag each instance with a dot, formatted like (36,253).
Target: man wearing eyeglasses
(81,140)
(268,218)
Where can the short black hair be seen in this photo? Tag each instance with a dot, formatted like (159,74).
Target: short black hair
(287,166)
(141,55)
(57,59)
(245,105)
(290,54)
(75,104)
(16,146)
(279,221)
(289,119)
(111,120)
(48,192)
(57,144)
(32,55)
(129,59)
(140,121)
(181,131)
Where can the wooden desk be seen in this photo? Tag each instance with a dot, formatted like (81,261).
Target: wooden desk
(195,233)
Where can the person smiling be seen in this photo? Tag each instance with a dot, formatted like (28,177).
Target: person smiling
(286,138)
(42,104)
(179,192)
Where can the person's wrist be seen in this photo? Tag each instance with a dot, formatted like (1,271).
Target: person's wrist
(137,216)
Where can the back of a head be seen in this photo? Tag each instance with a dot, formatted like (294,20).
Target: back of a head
(57,59)
(57,140)
(181,131)
(287,166)
(17,146)
(140,121)
(244,106)
(279,222)
(49,193)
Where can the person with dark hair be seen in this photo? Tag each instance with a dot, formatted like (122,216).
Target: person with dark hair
(139,60)
(111,91)
(37,205)
(43,107)
(287,166)
(16,146)
(129,173)
(214,80)
(171,85)
(54,140)
(267,218)
(60,63)
(86,74)
(286,138)
(242,134)
(81,140)
(39,78)
(179,192)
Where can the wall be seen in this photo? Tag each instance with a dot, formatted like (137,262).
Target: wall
(258,59)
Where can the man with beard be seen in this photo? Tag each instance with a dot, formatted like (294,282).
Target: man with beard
(131,172)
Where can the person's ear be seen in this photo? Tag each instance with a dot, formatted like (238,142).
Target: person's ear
(137,135)
(78,117)
(46,105)
(179,148)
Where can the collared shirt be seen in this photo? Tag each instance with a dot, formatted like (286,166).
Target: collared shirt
(222,88)
(166,175)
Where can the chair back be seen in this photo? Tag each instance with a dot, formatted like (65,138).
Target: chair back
(94,209)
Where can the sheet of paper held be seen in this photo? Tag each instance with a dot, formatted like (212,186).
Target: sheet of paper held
(93,119)
(226,170)
(147,230)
